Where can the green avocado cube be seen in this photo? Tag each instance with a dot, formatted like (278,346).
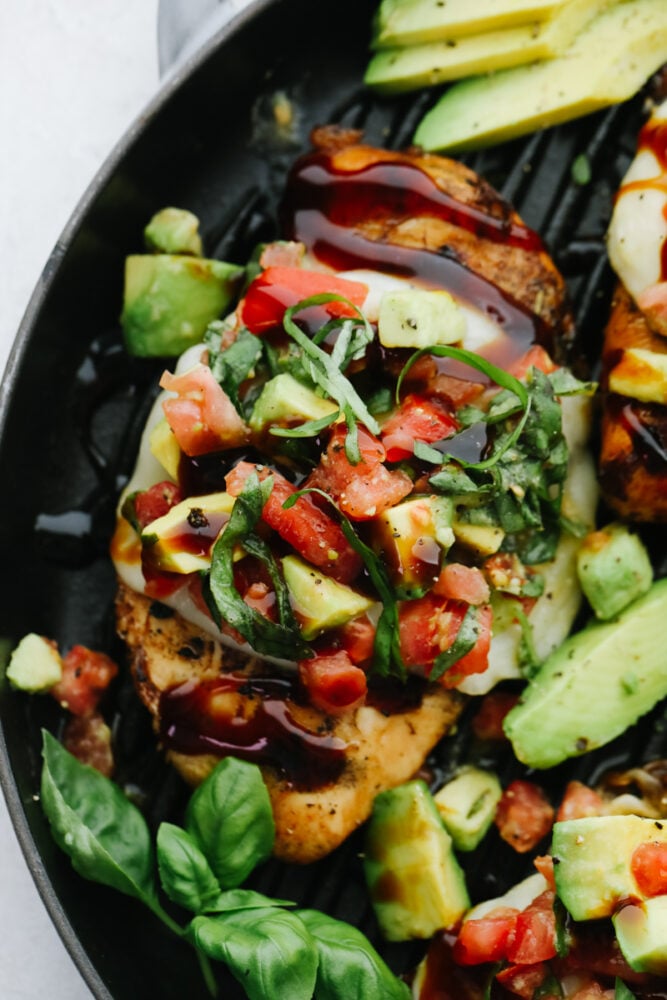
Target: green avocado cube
(170,299)
(174,230)
(413,537)
(419,318)
(614,569)
(593,861)
(320,602)
(35,665)
(285,401)
(181,540)
(416,884)
(467,805)
(641,932)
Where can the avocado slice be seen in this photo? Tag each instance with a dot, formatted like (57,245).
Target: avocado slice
(641,932)
(412,537)
(608,62)
(618,667)
(467,805)
(614,569)
(419,317)
(181,540)
(408,22)
(285,401)
(409,67)
(35,665)
(174,230)
(319,601)
(416,884)
(593,861)
(169,300)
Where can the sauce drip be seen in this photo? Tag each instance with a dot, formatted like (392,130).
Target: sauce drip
(269,733)
(324,207)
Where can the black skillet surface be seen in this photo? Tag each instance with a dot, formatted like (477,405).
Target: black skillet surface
(72,404)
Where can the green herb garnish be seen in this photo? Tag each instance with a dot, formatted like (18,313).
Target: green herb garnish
(272,948)
(234,364)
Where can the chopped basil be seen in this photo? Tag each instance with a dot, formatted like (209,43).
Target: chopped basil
(465,640)
(233,365)
(581,170)
(281,638)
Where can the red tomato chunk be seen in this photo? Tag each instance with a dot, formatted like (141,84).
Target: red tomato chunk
(524,815)
(278,288)
(419,417)
(333,682)
(86,676)
(649,868)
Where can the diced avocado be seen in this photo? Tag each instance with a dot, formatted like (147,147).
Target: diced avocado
(519,896)
(409,22)
(614,569)
(640,374)
(419,318)
(320,602)
(286,401)
(484,539)
(412,537)
(415,882)
(408,67)
(170,299)
(174,230)
(641,932)
(593,861)
(607,63)
(619,667)
(165,447)
(181,540)
(467,805)
(35,665)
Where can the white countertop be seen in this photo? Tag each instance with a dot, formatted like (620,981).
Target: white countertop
(73,75)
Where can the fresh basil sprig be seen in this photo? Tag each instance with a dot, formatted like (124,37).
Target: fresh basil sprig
(272,948)
(281,638)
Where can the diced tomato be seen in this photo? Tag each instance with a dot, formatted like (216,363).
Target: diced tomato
(260,597)
(578,801)
(419,417)
(88,738)
(278,288)
(486,939)
(429,625)
(524,815)
(86,676)
(462,583)
(457,391)
(545,866)
(202,416)
(523,980)
(364,490)
(333,682)
(535,357)
(591,990)
(487,723)
(156,501)
(305,526)
(649,868)
(357,638)
(534,938)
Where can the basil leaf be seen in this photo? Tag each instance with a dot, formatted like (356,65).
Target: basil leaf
(386,649)
(281,638)
(465,640)
(231,366)
(269,951)
(310,429)
(245,899)
(349,965)
(229,817)
(325,371)
(564,383)
(105,836)
(622,992)
(185,874)
(549,989)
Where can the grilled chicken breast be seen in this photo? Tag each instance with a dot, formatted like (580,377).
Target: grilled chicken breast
(370,749)
(431,221)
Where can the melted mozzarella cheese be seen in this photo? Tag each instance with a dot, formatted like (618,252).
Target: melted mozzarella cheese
(638,227)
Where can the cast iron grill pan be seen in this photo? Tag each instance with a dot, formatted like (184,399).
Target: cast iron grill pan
(74,405)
